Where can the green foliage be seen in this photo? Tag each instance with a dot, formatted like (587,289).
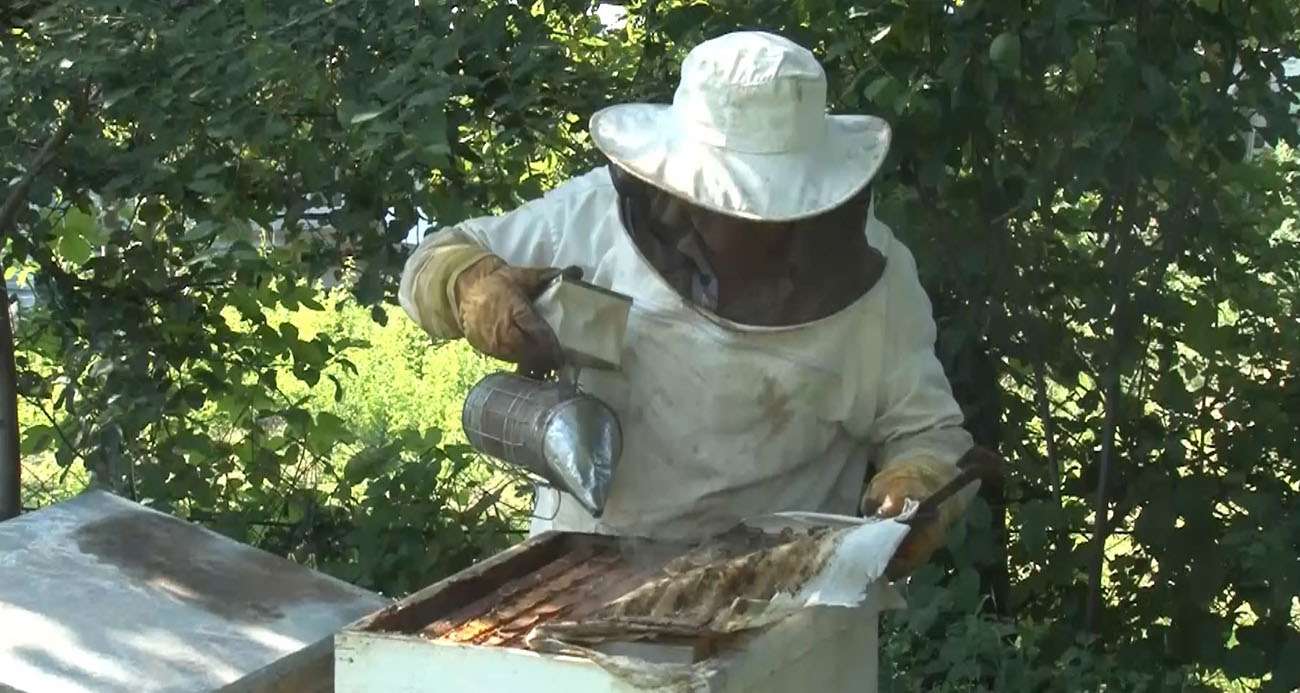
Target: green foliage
(400,501)
(398,381)
(1115,286)
(980,654)
(1111,286)
(357,478)
(221,159)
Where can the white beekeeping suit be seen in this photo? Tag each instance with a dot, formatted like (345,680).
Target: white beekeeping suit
(724,419)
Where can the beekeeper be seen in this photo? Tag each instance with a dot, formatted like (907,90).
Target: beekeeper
(780,343)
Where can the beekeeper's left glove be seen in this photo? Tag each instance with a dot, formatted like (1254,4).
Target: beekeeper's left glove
(913,478)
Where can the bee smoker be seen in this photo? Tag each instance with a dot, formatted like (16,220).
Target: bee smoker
(551,428)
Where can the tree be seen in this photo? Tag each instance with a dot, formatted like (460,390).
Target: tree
(1071,176)
(186,169)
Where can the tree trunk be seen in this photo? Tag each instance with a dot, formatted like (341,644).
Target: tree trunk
(1122,273)
(974,380)
(11,498)
(1101,504)
(15,200)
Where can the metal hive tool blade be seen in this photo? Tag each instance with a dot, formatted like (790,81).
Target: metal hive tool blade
(743,589)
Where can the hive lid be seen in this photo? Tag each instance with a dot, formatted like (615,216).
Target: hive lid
(102,594)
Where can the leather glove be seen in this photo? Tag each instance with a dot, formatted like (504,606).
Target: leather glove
(494,305)
(912,478)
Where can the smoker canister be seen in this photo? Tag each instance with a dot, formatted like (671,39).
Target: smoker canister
(552,429)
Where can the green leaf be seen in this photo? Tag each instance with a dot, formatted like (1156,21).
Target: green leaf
(152,212)
(1084,63)
(78,222)
(37,438)
(1155,524)
(684,20)
(879,87)
(265,466)
(75,248)
(202,231)
(365,116)
(255,12)
(207,186)
(886,92)
(368,463)
(1004,52)
(297,418)
(429,98)
(332,425)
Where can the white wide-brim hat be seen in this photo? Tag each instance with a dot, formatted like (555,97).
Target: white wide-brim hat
(747,133)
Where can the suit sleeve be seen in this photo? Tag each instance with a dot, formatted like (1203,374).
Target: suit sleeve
(527,236)
(917,416)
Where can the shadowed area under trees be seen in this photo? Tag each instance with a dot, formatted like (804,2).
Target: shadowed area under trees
(206,203)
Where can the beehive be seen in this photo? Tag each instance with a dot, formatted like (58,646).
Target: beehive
(467,633)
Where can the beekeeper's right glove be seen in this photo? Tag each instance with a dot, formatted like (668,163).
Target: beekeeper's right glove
(494,309)
(914,479)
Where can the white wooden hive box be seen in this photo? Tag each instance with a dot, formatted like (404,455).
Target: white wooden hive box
(466,634)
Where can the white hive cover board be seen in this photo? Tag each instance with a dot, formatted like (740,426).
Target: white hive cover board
(102,594)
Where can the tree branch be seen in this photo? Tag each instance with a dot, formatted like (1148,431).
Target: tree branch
(1053,458)
(17,193)
(1122,304)
(647,17)
(54,425)
(1101,505)
(1049,432)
